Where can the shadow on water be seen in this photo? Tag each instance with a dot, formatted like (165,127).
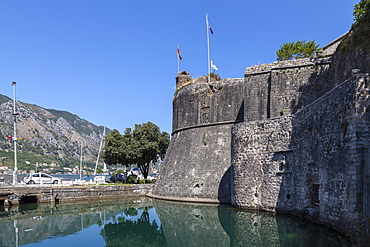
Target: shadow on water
(147,222)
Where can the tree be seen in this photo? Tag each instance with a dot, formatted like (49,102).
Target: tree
(148,145)
(111,153)
(299,49)
(360,9)
(145,144)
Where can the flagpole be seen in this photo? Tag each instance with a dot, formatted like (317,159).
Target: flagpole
(209,56)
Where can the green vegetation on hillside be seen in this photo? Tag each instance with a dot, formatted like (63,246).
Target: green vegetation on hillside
(27,161)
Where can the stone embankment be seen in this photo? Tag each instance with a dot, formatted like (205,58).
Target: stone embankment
(14,195)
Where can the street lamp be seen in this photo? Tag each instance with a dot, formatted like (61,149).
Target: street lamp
(15,136)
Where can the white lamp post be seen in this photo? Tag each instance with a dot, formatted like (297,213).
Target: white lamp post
(15,136)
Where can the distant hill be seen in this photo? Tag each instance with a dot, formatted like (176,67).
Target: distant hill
(49,136)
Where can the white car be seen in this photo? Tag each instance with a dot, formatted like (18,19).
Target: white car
(41,178)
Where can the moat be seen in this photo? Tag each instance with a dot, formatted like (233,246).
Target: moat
(142,221)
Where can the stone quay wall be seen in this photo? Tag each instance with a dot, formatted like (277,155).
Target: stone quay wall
(21,194)
(310,164)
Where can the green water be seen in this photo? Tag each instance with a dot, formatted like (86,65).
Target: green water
(146,222)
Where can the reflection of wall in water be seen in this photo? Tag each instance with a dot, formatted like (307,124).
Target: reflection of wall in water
(40,221)
(294,232)
(247,228)
(220,225)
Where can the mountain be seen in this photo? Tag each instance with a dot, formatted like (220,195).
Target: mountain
(49,136)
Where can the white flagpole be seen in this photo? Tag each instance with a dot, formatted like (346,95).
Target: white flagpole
(209,56)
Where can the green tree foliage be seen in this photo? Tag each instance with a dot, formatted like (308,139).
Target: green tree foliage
(299,49)
(145,144)
(359,36)
(113,149)
(360,9)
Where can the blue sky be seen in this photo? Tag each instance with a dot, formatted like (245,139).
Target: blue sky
(114,62)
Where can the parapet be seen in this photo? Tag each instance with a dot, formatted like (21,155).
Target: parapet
(287,64)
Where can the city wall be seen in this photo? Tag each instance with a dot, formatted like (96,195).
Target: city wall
(290,137)
(198,160)
(310,164)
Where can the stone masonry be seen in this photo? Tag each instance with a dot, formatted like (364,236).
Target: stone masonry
(290,137)
(310,164)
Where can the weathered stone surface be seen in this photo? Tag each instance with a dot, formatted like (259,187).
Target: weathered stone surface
(203,103)
(296,134)
(260,158)
(197,165)
(76,193)
(310,164)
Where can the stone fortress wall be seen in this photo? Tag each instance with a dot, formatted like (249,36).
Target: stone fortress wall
(288,137)
(313,164)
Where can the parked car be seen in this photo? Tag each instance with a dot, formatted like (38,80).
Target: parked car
(100,178)
(38,178)
(153,177)
(135,171)
(118,177)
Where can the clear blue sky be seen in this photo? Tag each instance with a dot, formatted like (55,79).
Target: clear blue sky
(114,62)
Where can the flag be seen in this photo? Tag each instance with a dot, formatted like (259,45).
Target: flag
(210,29)
(12,138)
(209,26)
(178,52)
(213,66)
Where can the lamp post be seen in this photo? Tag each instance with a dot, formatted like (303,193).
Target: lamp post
(15,135)
(81,162)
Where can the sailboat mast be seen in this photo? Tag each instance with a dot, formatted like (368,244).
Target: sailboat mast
(100,147)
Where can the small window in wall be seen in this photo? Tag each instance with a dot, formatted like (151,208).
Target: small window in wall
(315,194)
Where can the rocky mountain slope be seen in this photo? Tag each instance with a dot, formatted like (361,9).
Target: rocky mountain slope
(49,136)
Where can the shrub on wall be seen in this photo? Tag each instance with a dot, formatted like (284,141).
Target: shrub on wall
(299,49)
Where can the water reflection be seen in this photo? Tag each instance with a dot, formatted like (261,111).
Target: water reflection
(128,230)
(146,222)
(221,225)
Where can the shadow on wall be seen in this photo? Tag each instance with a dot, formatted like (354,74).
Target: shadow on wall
(319,83)
(224,189)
